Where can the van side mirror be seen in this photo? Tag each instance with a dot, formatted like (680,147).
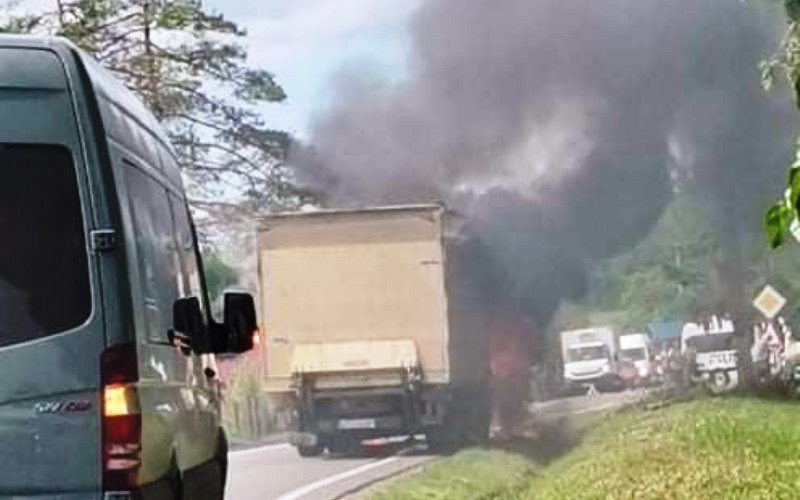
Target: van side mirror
(189,329)
(240,324)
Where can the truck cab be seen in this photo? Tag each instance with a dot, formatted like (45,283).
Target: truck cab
(587,360)
(590,357)
(106,345)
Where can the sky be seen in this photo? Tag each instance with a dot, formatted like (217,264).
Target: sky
(306,43)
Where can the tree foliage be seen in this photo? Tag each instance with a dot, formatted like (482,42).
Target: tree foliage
(677,273)
(219,275)
(782,217)
(669,276)
(189,66)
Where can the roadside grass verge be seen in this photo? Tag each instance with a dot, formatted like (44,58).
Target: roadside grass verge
(474,473)
(731,447)
(501,471)
(734,447)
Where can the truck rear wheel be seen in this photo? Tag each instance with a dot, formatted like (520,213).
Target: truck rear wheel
(718,382)
(345,445)
(306,451)
(442,440)
(479,425)
(467,421)
(474,419)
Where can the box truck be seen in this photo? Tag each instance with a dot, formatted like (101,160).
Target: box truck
(590,357)
(370,330)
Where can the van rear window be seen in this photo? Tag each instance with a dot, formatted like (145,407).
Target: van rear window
(44,274)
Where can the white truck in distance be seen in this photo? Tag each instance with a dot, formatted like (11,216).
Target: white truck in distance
(634,347)
(590,357)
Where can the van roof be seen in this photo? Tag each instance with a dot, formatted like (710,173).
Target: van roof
(34,41)
(103,83)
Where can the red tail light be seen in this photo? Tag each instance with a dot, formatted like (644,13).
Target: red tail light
(122,419)
(122,450)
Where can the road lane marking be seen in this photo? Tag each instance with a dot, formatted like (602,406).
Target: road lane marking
(260,449)
(305,490)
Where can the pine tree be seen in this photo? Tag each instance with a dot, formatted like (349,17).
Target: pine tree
(189,67)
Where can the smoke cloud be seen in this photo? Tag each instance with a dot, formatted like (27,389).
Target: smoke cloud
(557,129)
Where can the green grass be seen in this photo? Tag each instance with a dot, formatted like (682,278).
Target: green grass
(472,473)
(712,448)
(734,447)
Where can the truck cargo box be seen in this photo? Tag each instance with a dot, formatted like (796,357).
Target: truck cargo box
(355,277)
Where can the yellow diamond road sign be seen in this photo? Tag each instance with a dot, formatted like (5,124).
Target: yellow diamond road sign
(769,302)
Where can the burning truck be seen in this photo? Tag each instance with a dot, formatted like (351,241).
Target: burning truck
(369,332)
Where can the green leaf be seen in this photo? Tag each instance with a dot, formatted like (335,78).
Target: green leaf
(776,224)
(189,65)
(792,9)
(259,85)
(177,15)
(793,185)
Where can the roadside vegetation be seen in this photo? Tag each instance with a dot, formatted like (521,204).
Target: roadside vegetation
(679,271)
(733,447)
(475,473)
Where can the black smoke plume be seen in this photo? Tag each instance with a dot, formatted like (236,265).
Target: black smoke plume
(558,128)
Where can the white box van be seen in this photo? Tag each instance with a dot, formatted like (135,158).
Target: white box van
(590,357)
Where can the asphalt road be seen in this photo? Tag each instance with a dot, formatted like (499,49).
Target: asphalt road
(278,472)
(577,405)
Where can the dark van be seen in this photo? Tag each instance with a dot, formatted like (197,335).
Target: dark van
(108,386)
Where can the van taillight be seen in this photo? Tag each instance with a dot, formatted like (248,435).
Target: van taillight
(122,419)
(122,451)
(118,365)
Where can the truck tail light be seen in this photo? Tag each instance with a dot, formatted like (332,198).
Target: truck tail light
(122,420)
